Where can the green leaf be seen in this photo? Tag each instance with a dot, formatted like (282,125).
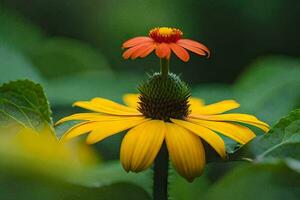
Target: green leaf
(112,172)
(14,65)
(56,57)
(24,102)
(264,181)
(34,187)
(282,141)
(180,189)
(270,87)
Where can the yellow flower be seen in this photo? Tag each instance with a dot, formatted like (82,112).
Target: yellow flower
(147,132)
(41,152)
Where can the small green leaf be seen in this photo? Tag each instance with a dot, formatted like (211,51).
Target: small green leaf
(264,181)
(57,57)
(282,141)
(24,102)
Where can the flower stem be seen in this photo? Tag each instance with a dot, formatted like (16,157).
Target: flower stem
(164,67)
(160,177)
(161,163)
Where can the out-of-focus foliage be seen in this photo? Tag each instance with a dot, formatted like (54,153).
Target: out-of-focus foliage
(268,89)
(66,57)
(64,91)
(17,32)
(265,181)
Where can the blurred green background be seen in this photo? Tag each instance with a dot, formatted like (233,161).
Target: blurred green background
(237,32)
(73,49)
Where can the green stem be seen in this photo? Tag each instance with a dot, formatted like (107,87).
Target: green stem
(164,67)
(161,163)
(160,177)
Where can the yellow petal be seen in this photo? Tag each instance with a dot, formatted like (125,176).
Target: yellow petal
(90,117)
(77,130)
(86,127)
(242,118)
(141,145)
(106,106)
(105,129)
(216,108)
(206,134)
(94,117)
(131,100)
(236,132)
(186,151)
(113,105)
(195,103)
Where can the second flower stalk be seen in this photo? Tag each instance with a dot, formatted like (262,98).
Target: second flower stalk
(164,67)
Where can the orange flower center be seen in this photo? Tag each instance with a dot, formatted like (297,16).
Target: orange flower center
(165,34)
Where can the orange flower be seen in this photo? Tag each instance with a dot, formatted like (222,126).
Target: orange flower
(163,40)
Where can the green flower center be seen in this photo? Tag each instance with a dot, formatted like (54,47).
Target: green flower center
(164,98)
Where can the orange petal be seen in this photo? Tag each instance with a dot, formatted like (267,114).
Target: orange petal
(193,49)
(136,41)
(140,51)
(194,44)
(180,52)
(163,50)
(129,52)
(147,52)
